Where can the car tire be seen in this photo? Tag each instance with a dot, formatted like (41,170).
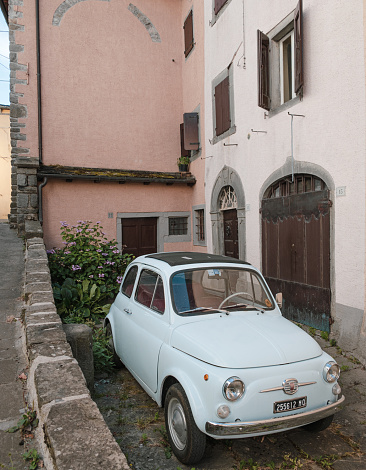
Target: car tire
(188,443)
(116,360)
(320,425)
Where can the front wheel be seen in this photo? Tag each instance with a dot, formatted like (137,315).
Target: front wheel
(187,442)
(320,425)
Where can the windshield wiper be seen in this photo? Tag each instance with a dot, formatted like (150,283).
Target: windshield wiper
(201,309)
(246,306)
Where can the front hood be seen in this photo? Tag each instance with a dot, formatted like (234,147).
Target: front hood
(245,339)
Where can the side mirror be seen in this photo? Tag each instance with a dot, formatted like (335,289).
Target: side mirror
(279,299)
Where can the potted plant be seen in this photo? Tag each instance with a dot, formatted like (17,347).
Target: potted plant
(183,163)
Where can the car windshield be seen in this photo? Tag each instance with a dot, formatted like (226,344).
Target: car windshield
(203,291)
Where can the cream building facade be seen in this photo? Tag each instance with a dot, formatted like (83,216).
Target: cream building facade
(287,170)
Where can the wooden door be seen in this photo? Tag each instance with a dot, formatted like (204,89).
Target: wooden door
(231,233)
(139,235)
(296,250)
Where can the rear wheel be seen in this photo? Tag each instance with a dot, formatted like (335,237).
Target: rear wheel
(116,360)
(187,442)
(320,425)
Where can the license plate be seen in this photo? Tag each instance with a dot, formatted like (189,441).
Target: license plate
(289,405)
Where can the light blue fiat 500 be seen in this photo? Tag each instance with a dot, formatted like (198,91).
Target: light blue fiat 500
(203,335)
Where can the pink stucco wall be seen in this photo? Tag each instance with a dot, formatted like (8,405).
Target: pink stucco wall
(193,73)
(85,200)
(112,98)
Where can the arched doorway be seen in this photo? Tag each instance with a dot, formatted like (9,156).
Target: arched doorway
(228,214)
(296,247)
(228,208)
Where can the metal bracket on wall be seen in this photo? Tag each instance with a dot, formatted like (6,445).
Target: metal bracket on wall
(263,132)
(292,140)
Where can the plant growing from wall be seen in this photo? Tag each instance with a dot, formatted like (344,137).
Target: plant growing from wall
(103,360)
(33,458)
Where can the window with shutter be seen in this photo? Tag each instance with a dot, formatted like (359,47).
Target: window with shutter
(222,107)
(263,71)
(191,132)
(199,234)
(188,34)
(183,151)
(299,76)
(280,62)
(218,5)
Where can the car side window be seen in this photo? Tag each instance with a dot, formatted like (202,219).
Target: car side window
(150,291)
(129,281)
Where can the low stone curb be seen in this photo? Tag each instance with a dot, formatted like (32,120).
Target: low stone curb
(73,432)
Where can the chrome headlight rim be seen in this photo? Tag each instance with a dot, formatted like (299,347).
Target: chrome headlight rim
(331,372)
(229,391)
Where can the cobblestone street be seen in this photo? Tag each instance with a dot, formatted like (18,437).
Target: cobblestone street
(138,426)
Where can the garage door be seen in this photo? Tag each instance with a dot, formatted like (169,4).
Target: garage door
(296,248)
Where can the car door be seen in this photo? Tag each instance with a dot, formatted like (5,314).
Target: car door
(145,327)
(122,309)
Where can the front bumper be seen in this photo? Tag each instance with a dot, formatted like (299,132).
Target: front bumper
(273,424)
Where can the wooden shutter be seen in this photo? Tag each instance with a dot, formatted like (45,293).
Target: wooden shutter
(264,100)
(222,106)
(191,138)
(183,151)
(299,72)
(218,5)
(188,34)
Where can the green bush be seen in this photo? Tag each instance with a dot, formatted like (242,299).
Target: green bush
(80,302)
(88,255)
(86,274)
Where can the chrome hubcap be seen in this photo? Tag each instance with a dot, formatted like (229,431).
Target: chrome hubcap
(177,424)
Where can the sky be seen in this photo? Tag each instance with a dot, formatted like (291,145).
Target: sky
(4,61)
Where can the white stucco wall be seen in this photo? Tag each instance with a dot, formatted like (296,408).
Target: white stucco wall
(331,136)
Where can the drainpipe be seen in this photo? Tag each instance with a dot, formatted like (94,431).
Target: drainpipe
(39,84)
(40,156)
(40,214)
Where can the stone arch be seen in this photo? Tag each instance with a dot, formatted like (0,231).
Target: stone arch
(64,7)
(301,167)
(227,177)
(150,28)
(298,167)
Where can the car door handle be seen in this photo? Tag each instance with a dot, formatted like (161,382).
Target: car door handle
(127,310)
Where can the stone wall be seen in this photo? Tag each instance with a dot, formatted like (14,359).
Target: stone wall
(73,432)
(24,196)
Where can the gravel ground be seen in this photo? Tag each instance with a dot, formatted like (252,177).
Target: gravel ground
(137,424)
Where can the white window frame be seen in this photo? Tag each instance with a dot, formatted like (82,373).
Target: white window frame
(293,95)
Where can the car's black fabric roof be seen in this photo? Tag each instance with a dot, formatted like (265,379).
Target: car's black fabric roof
(178,258)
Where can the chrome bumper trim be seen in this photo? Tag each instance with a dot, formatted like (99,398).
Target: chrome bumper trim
(273,424)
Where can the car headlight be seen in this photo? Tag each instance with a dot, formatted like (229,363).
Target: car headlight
(331,372)
(233,388)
